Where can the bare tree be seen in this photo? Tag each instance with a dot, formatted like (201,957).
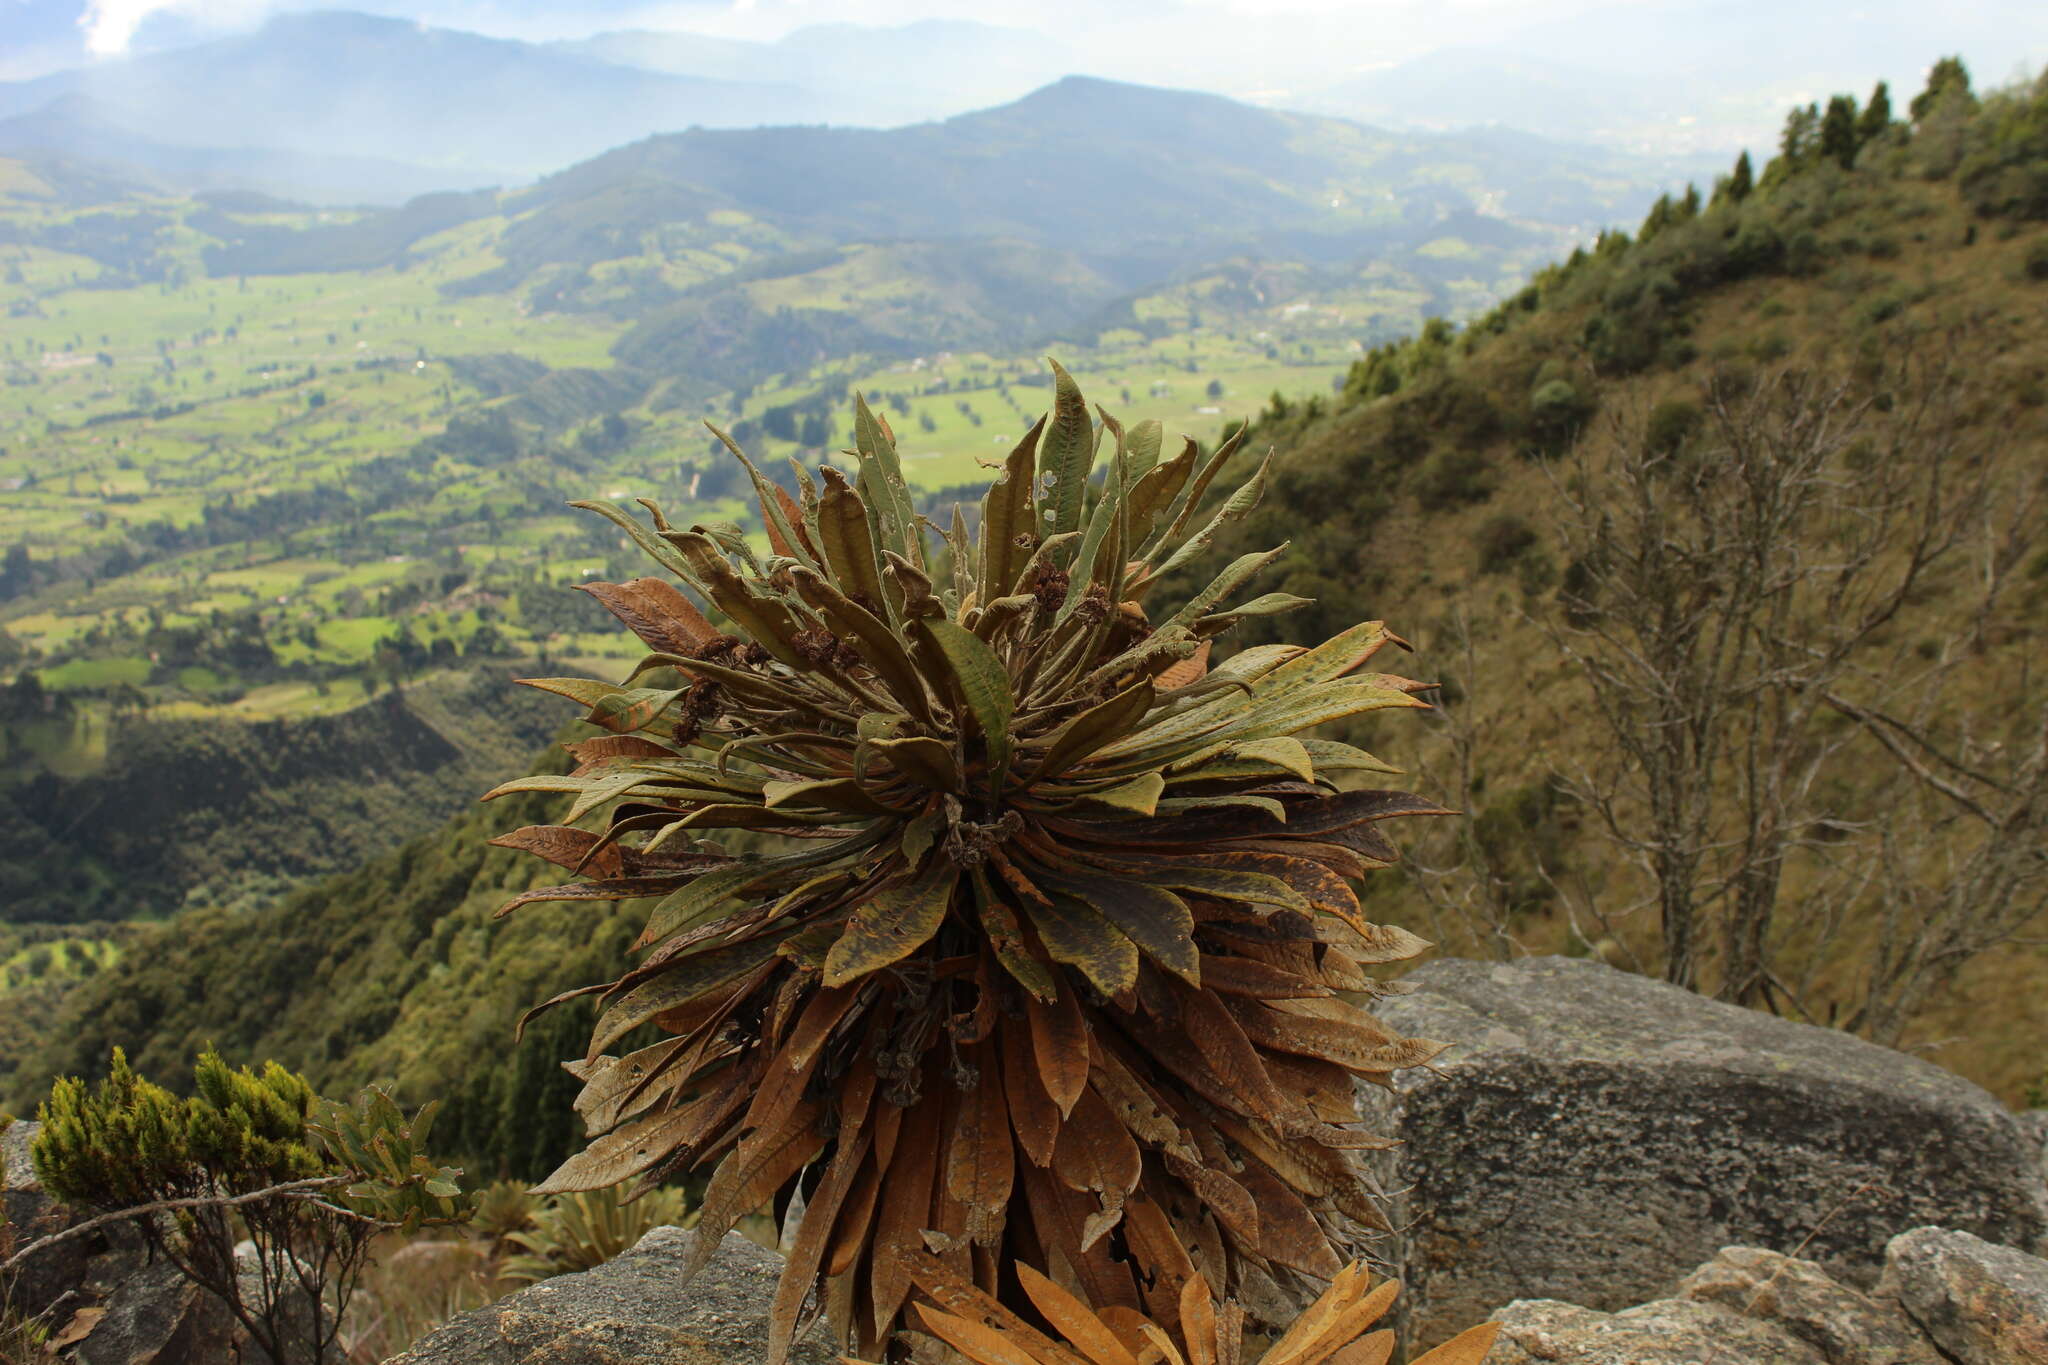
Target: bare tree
(1469,894)
(1733,598)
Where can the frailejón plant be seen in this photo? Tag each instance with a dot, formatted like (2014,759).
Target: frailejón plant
(1038,946)
(1340,1328)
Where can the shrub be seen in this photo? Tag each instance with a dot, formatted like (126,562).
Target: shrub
(582,1231)
(1671,424)
(2035,263)
(312,1183)
(1756,249)
(1453,477)
(1502,540)
(954,990)
(1557,410)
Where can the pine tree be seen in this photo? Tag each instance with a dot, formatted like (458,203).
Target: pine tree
(1796,143)
(1741,180)
(1838,131)
(1947,77)
(1876,116)
(1656,220)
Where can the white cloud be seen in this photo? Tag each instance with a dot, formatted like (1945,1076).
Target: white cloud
(110,25)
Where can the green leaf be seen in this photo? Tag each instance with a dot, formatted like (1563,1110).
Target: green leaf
(1283,752)
(1085,941)
(1006,514)
(925,760)
(1066,455)
(847,542)
(1139,795)
(679,983)
(771,506)
(1267,604)
(984,686)
(1141,447)
(920,834)
(1155,919)
(836,794)
(1006,936)
(900,919)
(1241,571)
(881,483)
(1095,727)
(587,691)
(1330,756)
(624,712)
(656,548)
(763,619)
(1236,507)
(698,900)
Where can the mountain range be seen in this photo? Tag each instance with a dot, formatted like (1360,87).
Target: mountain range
(330,83)
(737,250)
(376,109)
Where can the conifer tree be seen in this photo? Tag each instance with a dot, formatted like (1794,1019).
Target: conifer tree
(1657,219)
(1796,143)
(1838,131)
(1948,76)
(1876,116)
(1741,180)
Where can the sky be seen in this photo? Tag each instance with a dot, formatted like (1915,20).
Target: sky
(1398,27)
(1717,73)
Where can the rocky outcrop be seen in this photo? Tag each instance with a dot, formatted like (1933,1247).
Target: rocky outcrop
(2035,1123)
(1945,1298)
(1981,1304)
(103,1301)
(628,1312)
(46,1278)
(1843,1326)
(1593,1135)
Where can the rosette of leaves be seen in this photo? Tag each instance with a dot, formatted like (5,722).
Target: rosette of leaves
(1042,947)
(1341,1327)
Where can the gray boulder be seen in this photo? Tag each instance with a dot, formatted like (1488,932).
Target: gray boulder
(1945,1298)
(628,1312)
(1593,1135)
(1669,1332)
(101,1297)
(1981,1304)
(2035,1123)
(152,1315)
(45,1278)
(1844,1326)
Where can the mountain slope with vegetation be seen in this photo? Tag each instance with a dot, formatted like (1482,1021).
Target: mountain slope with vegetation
(1521,497)
(1726,538)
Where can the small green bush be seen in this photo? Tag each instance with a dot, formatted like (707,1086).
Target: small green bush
(1502,540)
(2036,260)
(1672,423)
(1451,477)
(1557,410)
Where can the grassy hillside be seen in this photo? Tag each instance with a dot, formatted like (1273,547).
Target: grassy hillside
(1471,487)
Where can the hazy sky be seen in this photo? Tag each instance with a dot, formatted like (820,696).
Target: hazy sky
(109,25)
(1731,66)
